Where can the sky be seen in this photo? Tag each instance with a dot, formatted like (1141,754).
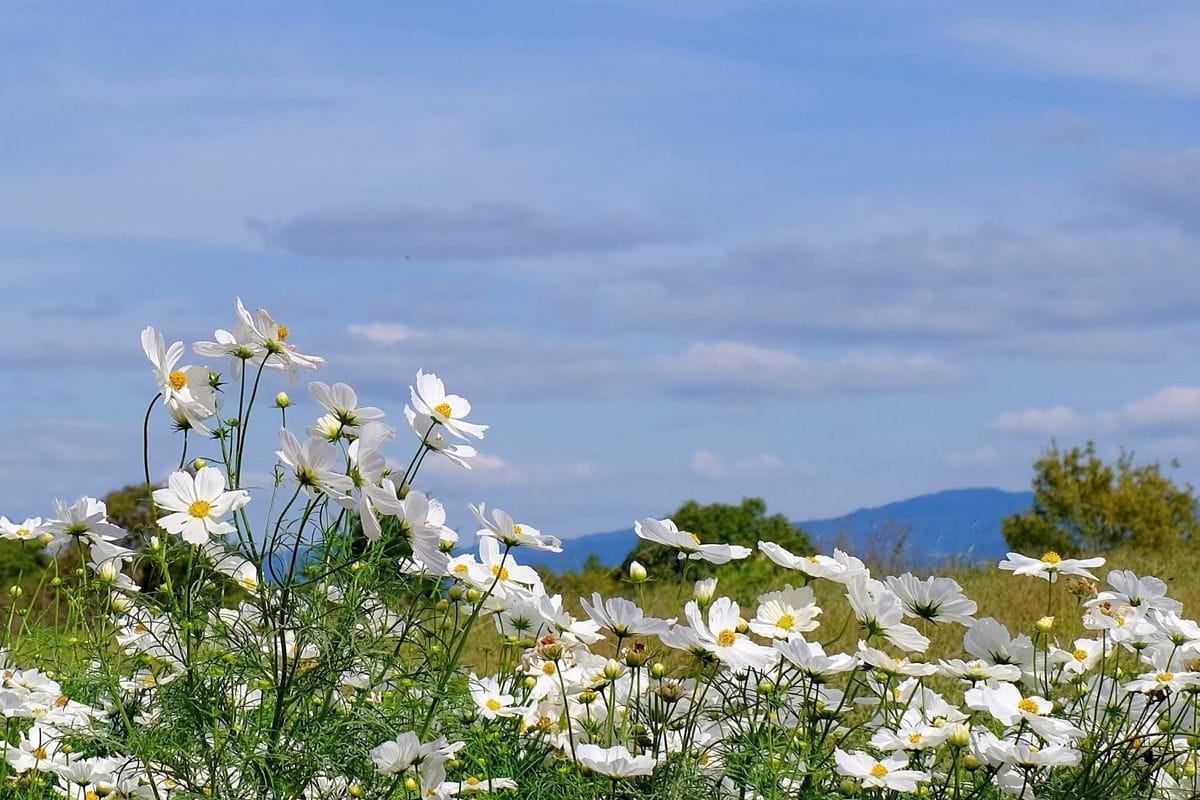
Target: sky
(832,254)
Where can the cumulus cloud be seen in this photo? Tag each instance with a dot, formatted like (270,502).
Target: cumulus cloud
(383,332)
(708,465)
(477,232)
(1172,409)
(738,367)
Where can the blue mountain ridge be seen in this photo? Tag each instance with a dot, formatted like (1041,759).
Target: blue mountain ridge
(952,524)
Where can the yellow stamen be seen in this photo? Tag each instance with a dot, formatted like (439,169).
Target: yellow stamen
(500,571)
(200,508)
(1028,706)
(726,638)
(695,538)
(1080,655)
(281,332)
(40,753)
(549,668)
(177,379)
(915,738)
(786,622)
(878,771)
(443,409)
(1051,557)
(460,568)
(1165,677)
(472,781)
(24,533)
(518,530)
(493,704)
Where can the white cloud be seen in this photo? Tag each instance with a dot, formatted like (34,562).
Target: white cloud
(1172,409)
(979,458)
(711,466)
(489,471)
(383,332)
(737,367)
(1050,421)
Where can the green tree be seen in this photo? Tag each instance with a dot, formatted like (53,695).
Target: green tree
(1081,503)
(721,523)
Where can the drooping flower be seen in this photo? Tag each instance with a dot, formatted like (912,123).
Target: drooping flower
(429,399)
(187,391)
(880,611)
(613,762)
(665,532)
(198,505)
(513,534)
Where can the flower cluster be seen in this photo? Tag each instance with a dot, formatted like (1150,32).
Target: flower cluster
(328,640)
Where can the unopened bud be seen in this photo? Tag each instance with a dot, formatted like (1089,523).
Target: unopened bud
(199,464)
(120,603)
(960,736)
(355,790)
(637,573)
(705,590)
(658,670)
(612,669)
(1044,624)
(46,538)
(16,591)
(282,400)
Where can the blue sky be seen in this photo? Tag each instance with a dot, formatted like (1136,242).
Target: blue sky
(829,253)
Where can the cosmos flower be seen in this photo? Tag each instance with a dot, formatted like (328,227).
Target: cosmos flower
(888,773)
(613,762)
(429,399)
(198,505)
(1050,565)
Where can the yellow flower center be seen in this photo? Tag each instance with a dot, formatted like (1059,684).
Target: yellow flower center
(281,332)
(90,795)
(40,753)
(549,668)
(1165,677)
(200,508)
(493,704)
(24,533)
(177,379)
(1028,706)
(472,781)
(518,530)
(915,738)
(879,770)
(502,572)
(695,538)
(460,568)
(786,622)
(1051,557)
(443,409)
(726,638)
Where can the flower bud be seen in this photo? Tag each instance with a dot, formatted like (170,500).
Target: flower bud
(46,538)
(960,736)
(530,681)
(120,603)
(658,670)
(282,400)
(411,785)
(637,573)
(587,696)
(705,590)
(848,786)
(455,593)
(16,591)
(355,790)
(742,625)
(108,572)
(199,464)
(612,669)
(1044,624)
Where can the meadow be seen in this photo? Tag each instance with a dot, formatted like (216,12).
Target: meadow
(379,660)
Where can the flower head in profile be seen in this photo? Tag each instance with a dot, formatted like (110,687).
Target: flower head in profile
(429,398)
(258,339)
(340,402)
(199,505)
(28,531)
(86,519)
(623,617)
(613,762)
(514,534)
(317,466)
(1050,565)
(425,427)
(665,532)
(880,611)
(934,599)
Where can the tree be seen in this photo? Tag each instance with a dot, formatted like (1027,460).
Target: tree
(720,523)
(1080,503)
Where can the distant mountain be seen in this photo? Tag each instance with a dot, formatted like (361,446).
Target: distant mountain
(956,523)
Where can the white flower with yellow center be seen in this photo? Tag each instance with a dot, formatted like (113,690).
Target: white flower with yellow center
(425,427)
(614,762)
(198,505)
(888,773)
(784,613)
(187,391)
(28,531)
(1050,565)
(1005,702)
(491,701)
(503,528)
(340,401)
(719,636)
(429,398)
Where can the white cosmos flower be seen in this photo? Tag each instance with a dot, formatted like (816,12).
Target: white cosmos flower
(490,700)
(397,755)
(317,466)
(429,399)
(935,599)
(1050,565)
(810,658)
(978,670)
(187,391)
(424,427)
(340,401)
(1005,702)
(720,638)
(623,617)
(1139,592)
(786,612)
(688,544)
(424,523)
(880,611)
(28,531)
(550,609)
(502,528)
(198,505)
(367,470)
(889,773)
(86,519)
(878,659)
(613,762)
